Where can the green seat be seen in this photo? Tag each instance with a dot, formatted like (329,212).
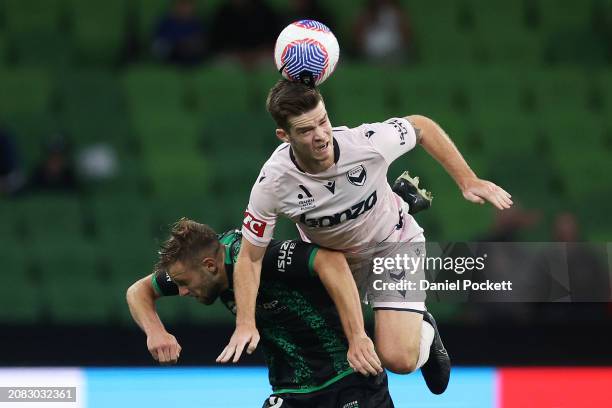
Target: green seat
(99,29)
(451,217)
(32,130)
(497,92)
(563,14)
(56,54)
(179,173)
(66,258)
(431,91)
(262,80)
(223,89)
(20,301)
(77,300)
(204,209)
(34,15)
(151,11)
(344,13)
(93,107)
(152,90)
(562,90)
(51,217)
(3,50)
(490,17)
(149,14)
(359,94)
(24,90)
(578,156)
(121,219)
(130,179)
(508,134)
(450,42)
(253,133)
(11,217)
(173,132)
(510,46)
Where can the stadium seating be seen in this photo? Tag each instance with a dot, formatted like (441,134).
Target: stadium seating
(93,108)
(521,87)
(99,29)
(20,300)
(32,16)
(24,90)
(47,217)
(223,89)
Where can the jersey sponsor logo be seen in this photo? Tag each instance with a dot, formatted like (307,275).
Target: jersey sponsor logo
(307,203)
(357,175)
(275,402)
(401,130)
(349,214)
(285,255)
(331,186)
(254,225)
(352,404)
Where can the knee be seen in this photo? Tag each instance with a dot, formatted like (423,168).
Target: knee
(403,362)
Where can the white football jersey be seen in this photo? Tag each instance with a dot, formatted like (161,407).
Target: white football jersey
(344,207)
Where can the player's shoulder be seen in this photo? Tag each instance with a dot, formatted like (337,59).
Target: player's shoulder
(278,161)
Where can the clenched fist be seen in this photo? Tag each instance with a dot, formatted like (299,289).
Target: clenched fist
(164,347)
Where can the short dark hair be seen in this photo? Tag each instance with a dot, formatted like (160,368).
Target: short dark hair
(188,240)
(288,99)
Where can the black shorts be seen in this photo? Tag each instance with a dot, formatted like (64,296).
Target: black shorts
(353,391)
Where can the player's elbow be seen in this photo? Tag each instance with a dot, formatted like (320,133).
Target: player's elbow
(422,126)
(131,292)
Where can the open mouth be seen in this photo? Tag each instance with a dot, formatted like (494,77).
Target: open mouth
(322,147)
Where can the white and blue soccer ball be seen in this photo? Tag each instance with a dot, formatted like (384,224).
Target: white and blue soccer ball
(306,50)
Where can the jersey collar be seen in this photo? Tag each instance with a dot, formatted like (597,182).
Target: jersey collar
(336,155)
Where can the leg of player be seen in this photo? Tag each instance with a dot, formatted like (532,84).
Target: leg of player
(398,339)
(406,334)
(407,341)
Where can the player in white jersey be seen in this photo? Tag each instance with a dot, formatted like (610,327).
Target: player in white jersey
(333,184)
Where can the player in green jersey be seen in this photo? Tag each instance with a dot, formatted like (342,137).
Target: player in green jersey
(310,360)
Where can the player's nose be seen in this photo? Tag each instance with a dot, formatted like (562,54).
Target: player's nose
(320,135)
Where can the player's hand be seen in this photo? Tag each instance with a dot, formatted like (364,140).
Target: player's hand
(164,347)
(362,356)
(244,336)
(478,191)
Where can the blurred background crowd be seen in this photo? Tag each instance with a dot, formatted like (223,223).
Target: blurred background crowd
(117,117)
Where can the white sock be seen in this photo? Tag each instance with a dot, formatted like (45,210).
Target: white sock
(427,336)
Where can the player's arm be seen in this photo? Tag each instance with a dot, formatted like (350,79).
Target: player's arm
(247,274)
(334,272)
(437,143)
(141,297)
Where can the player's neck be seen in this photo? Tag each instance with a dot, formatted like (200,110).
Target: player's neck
(315,166)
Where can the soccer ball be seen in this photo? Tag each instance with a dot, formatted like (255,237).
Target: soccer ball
(306,51)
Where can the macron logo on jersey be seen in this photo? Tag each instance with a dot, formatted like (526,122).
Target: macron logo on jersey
(254,225)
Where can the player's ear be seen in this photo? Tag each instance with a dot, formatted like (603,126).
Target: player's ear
(209,263)
(282,135)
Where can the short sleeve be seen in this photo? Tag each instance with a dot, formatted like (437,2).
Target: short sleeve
(163,284)
(260,216)
(291,259)
(391,138)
